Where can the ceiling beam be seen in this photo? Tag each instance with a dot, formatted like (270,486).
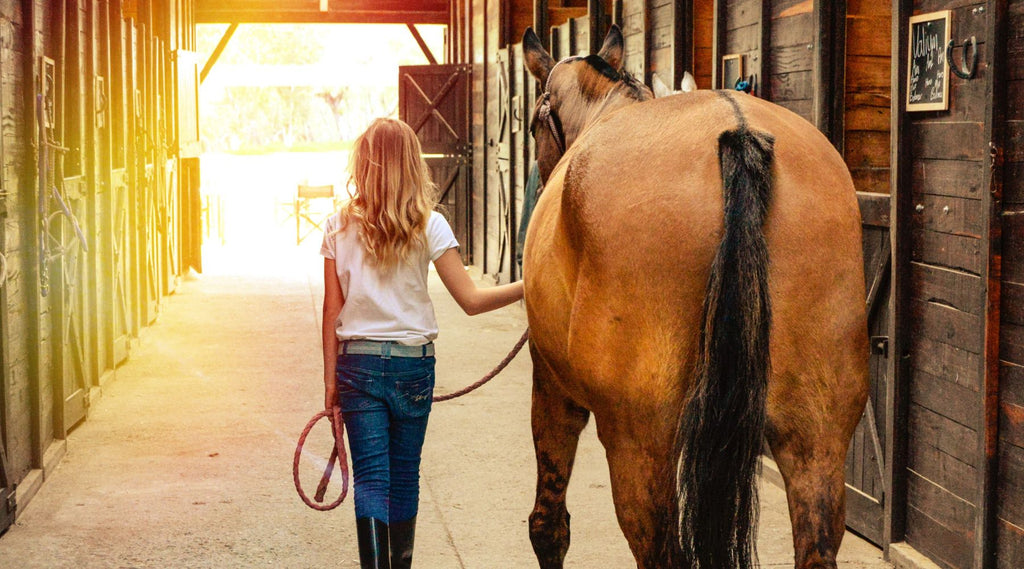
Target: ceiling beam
(330,12)
(223,43)
(423,45)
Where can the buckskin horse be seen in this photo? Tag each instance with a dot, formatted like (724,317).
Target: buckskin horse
(694,279)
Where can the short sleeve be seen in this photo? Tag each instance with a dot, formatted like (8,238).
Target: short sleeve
(440,237)
(327,248)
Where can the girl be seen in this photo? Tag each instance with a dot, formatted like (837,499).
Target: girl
(379,327)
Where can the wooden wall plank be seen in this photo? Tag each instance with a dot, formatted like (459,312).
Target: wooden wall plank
(1011,342)
(1011,424)
(949,287)
(926,534)
(947,398)
(1011,384)
(1009,545)
(703,37)
(952,251)
(948,141)
(947,325)
(1011,483)
(948,178)
(949,510)
(928,428)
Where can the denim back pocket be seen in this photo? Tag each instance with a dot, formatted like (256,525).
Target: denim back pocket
(355,387)
(414,394)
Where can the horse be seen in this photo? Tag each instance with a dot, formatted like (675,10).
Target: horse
(694,280)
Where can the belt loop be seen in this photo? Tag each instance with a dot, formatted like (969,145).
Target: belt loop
(386,350)
(344,348)
(424,352)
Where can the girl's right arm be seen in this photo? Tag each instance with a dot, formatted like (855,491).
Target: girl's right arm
(333,302)
(471,299)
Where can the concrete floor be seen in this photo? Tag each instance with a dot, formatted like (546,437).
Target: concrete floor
(185,460)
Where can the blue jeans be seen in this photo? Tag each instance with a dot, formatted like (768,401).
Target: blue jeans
(385,402)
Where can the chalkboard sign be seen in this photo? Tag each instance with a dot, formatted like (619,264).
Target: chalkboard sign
(928,70)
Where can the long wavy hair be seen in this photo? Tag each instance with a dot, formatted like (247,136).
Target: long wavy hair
(394,194)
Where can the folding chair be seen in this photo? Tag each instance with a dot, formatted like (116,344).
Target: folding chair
(307,214)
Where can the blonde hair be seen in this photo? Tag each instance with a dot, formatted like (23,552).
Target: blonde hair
(394,193)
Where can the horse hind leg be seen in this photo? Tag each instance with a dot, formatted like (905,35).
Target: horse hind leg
(643,488)
(557,424)
(812,468)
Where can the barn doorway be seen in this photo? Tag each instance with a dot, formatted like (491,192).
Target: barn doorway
(861,131)
(279,111)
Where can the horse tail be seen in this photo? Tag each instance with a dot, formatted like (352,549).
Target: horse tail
(721,431)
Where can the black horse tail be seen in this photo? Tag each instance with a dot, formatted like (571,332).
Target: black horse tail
(722,427)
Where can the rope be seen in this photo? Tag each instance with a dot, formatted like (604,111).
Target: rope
(497,369)
(338,453)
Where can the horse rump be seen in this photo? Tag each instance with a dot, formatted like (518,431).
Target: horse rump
(721,429)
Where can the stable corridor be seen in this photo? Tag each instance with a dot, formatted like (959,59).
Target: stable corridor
(185,460)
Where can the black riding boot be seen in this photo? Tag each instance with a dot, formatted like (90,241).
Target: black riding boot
(373,543)
(402,535)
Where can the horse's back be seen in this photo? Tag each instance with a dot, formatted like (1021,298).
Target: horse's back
(639,220)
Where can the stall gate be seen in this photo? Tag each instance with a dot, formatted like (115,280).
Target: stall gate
(434,101)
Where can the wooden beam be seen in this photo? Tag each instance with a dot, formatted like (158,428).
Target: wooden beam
(898,366)
(540,23)
(764,46)
(423,45)
(717,41)
(598,24)
(995,62)
(407,16)
(682,42)
(217,51)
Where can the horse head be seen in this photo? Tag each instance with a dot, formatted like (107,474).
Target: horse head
(576,90)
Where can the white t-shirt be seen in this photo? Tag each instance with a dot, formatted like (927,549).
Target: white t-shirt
(385,306)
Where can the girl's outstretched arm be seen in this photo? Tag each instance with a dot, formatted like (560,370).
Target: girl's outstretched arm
(471,299)
(333,302)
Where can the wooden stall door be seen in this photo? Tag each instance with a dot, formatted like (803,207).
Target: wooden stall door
(502,267)
(122,319)
(66,257)
(865,467)
(434,101)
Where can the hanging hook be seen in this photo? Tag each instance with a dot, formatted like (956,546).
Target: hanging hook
(969,70)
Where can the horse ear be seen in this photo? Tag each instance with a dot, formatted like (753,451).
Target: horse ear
(537,59)
(659,87)
(689,83)
(611,51)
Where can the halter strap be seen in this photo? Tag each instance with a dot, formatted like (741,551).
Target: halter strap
(547,114)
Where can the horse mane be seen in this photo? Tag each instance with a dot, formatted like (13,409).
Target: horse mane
(634,89)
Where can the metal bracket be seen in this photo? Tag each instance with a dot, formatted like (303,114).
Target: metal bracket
(880,346)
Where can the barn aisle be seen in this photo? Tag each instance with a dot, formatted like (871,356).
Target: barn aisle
(185,460)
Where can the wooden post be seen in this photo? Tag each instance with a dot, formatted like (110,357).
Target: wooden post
(217,51)
(901,205)
(988,421)
(423,45)
(764,45)
(598,24)
(540,22)
(682,42)
(717,42)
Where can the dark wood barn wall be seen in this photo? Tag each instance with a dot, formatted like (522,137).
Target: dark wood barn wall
(120,152)
(1010,512)
(949,232)
(788,80)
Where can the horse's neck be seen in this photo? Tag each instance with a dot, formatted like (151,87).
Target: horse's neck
(616,98)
